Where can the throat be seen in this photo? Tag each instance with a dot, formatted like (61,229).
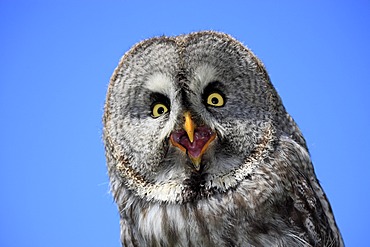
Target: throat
(195,187)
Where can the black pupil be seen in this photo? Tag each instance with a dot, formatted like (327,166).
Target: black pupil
(160,110)
(214,100)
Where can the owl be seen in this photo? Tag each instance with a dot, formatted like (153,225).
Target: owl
(201,151)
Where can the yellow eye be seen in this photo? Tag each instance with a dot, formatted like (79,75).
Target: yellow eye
(159,109)
(215,99)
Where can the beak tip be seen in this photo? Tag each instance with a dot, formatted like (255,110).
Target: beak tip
(196,162)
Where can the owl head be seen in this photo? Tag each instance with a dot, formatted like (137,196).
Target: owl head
(188,116)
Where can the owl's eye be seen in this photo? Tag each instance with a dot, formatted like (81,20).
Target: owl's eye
(159,109)
(215,99)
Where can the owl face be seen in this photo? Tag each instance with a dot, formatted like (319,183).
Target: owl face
(185,113)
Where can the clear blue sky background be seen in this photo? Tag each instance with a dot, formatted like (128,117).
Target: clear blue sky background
(56,58)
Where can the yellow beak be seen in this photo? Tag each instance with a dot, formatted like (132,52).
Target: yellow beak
(189,126)
(198,143)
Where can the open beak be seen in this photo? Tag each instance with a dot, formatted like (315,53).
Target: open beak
(192,139)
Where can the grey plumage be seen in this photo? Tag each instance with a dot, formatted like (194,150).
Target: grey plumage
(245,180)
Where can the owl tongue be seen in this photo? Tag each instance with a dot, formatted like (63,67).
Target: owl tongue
(203,136)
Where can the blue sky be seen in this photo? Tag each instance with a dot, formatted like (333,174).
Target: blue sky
(56,58)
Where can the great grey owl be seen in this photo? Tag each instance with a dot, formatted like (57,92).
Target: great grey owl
(201,151)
